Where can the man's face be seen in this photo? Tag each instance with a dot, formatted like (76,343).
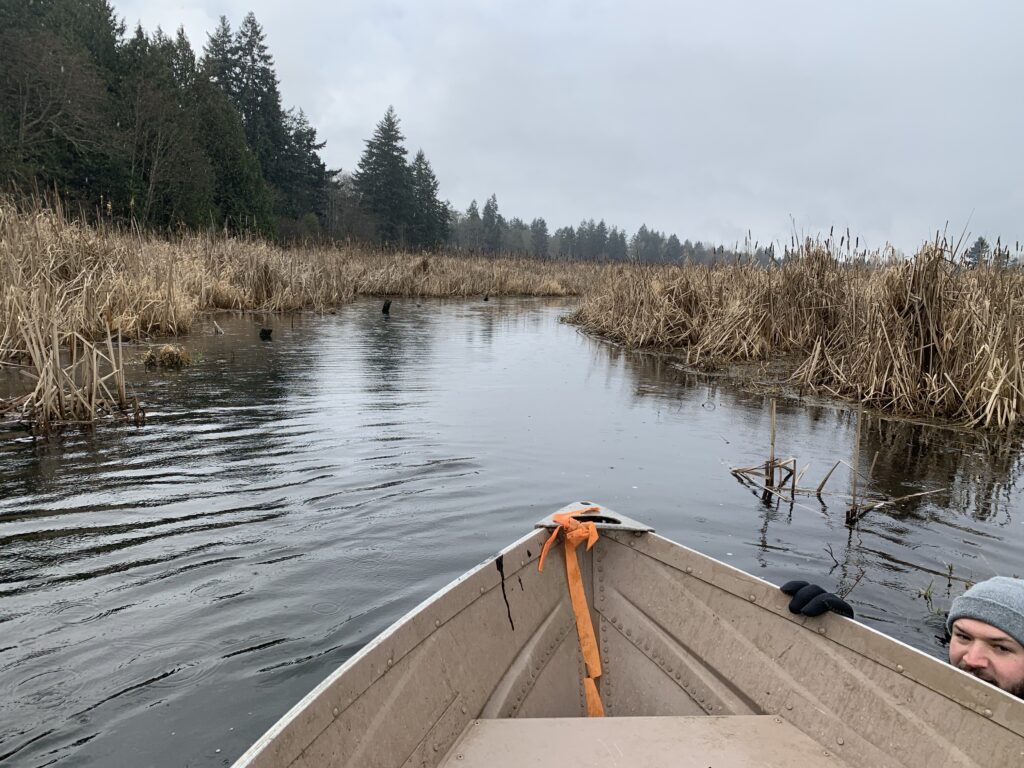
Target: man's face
(988,653)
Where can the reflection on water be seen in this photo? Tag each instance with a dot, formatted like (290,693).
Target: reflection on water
(167,592)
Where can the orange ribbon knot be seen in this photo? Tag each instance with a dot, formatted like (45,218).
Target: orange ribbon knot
(575,533)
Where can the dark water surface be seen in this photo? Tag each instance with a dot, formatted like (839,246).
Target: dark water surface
(166,593)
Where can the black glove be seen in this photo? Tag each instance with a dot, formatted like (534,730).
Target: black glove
(812,600)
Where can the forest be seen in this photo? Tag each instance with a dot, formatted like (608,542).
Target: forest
(140,128)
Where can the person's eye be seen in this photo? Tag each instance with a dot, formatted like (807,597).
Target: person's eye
(1002,649)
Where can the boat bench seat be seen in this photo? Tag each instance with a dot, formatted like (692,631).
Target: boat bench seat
(740,741)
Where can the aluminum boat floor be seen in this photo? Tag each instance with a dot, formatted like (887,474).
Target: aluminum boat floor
(739,741)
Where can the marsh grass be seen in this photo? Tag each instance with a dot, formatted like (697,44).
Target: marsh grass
(925,336)
(67,289)
(172,356)
(72,379)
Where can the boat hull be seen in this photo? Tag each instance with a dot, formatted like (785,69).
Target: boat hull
(680,635)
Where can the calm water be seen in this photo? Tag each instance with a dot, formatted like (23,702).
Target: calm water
(166,593)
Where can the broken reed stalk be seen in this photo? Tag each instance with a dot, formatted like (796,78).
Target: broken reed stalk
(769,467)
(851,513)
(802,473)
(824,480)
(886,502)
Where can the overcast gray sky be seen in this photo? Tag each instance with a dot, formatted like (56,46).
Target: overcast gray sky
(699,118)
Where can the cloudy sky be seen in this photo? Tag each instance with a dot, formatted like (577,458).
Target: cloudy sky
(895,119)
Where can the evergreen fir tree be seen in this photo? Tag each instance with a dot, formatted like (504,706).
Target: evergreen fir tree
(493,225)
(647,245)
(472,228)
(566,237)
(241,200)
(219,61)
(978,253)
(258,98)
(599,241)
(383,180)
(539,238)
(303,176)
(183,60)
(618,250)
(429,216)
(673,250)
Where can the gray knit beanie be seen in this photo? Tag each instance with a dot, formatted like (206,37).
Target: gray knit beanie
(999,601)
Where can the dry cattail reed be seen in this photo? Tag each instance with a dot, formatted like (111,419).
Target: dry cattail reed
(926,336)
(68,289)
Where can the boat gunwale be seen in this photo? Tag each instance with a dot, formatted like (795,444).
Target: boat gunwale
(478,572)
(938,676)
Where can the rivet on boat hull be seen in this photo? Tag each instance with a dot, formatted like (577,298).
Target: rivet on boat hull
(840,741)
(899,668)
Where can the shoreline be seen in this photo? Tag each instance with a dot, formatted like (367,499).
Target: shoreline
(926,338)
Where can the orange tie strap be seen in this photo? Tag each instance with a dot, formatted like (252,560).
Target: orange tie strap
(576,532)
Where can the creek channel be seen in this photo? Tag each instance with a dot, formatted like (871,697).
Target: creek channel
(168,592)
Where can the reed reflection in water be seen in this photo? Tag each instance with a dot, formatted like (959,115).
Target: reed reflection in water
(166,593)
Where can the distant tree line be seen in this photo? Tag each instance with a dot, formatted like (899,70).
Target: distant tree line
(139,127)
(488,232)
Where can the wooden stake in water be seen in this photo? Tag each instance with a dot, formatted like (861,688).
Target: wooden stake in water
(769,468)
